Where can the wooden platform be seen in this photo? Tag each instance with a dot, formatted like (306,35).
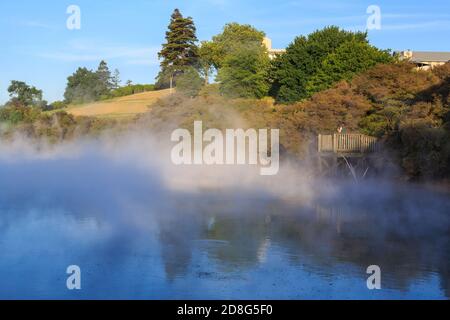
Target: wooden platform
(353,144)
(346,153)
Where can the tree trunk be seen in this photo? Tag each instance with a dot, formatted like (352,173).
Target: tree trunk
(206,77)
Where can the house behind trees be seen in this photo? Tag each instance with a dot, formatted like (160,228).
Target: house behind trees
(425,60)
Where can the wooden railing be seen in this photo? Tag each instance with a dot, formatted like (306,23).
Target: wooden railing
(348,143)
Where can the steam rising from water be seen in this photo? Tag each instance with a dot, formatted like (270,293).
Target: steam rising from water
(134,221)
(139,154)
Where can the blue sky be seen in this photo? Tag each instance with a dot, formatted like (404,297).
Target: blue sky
(36,46)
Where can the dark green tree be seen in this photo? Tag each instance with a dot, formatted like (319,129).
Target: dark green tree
(83,86)
(115,80)
(180,50)
(104,84)
(25,95)
(351,58)
(292,71)
(86,85)
(189,83)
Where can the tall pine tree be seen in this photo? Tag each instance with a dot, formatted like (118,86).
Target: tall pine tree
(115,80)
(104,79)
(180,50)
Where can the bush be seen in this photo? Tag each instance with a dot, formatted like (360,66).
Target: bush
(291,72)
(409,109)
(14,114)
(425,150)
(57,105)
(210,90)
(351,58)
(131,89)
(190,83)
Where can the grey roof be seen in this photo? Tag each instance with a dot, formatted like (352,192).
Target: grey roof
(424,56)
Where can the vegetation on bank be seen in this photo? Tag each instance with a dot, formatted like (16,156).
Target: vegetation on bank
(314,63)
(122,107)
(88,86)
(131,89)
(53,128)
(408,109)
(243,69)
(328,79)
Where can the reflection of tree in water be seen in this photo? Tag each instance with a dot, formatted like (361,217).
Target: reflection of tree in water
(231,225)
(409,242)
(244,237)
(177,230)
(240,225)
(176,252)
(406,244)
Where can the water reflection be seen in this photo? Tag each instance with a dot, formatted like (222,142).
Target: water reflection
(229,245)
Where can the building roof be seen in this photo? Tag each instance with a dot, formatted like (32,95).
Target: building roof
(425,56)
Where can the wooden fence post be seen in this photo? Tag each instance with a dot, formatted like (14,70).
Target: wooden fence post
(319,144)
(334,143)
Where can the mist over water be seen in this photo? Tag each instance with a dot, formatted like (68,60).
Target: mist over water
(141,228)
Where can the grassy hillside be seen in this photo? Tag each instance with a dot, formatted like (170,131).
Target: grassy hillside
(119,107)
(408,109)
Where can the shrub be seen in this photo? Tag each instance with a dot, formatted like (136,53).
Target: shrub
(210,90)
(132,89)
(189,83)
(57,105)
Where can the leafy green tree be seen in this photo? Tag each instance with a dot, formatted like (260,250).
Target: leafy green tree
(86,85)
(208,54)
(351,58)
(83,86)
(232,39)
(242,61)
(244,73)
(190,83)
(288,72)
(180,50)
(25,95)
(292,71)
